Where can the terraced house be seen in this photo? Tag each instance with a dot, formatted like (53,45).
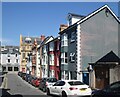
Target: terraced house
(53,58)
(42,52)
(10,58)
(87,39)
(35,65)
(26,45)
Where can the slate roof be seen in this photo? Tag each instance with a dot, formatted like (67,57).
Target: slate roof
(46,39)
(109,57)
(12,51)
(7,47)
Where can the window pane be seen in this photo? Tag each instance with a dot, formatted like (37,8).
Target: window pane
(9,68)
(75,83)
(65,54)
(62,83)
(72,36)
(65,60)
(16,60)
(15,68)
(23,55)
(8,60)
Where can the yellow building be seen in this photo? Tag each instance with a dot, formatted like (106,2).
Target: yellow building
(26,44)
(25,49)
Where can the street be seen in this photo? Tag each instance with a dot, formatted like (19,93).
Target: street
(20,87)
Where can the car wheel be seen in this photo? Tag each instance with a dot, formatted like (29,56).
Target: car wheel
(48,91)
(44,89)
(64,94)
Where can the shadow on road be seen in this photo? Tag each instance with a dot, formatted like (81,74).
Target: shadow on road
(5,93)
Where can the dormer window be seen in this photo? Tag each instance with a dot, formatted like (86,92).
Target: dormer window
(72,36)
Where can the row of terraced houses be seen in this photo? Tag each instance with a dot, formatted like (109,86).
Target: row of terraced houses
(86,49)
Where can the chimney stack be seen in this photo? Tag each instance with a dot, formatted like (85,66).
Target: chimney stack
(42,37)
(62,27)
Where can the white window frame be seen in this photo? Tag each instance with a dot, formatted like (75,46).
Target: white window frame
(51,46)
(72,37)
(64,40)
(51,57)
(63,58)
(44,49)
(72,55)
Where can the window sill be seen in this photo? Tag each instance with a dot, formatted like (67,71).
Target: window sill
(72,41)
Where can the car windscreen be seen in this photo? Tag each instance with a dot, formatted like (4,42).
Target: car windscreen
(24,74)
(75,83)
(52,80)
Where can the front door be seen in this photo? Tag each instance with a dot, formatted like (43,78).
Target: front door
(86,78)
(102,77)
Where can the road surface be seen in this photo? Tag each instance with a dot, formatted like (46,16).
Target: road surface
(21,87)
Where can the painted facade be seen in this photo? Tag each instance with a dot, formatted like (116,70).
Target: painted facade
(84,40)
(53,59)
(26,45)
(10,58)
(35,55)
(25,49)
(99,27)
(42,50)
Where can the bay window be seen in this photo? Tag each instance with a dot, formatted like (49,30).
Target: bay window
(64,40)
(72,57)
(64,58)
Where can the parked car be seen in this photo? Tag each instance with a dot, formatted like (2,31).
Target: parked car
(30,79)
(112,90)
(27,77)
(36,82)
(46,82)
(23,76)
(33,80)
(67,88)
(19,73)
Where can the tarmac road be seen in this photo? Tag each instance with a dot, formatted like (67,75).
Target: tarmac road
(18,86)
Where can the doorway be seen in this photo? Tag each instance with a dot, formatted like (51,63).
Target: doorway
(102,77)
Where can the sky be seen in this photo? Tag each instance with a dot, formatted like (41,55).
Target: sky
(41,18)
